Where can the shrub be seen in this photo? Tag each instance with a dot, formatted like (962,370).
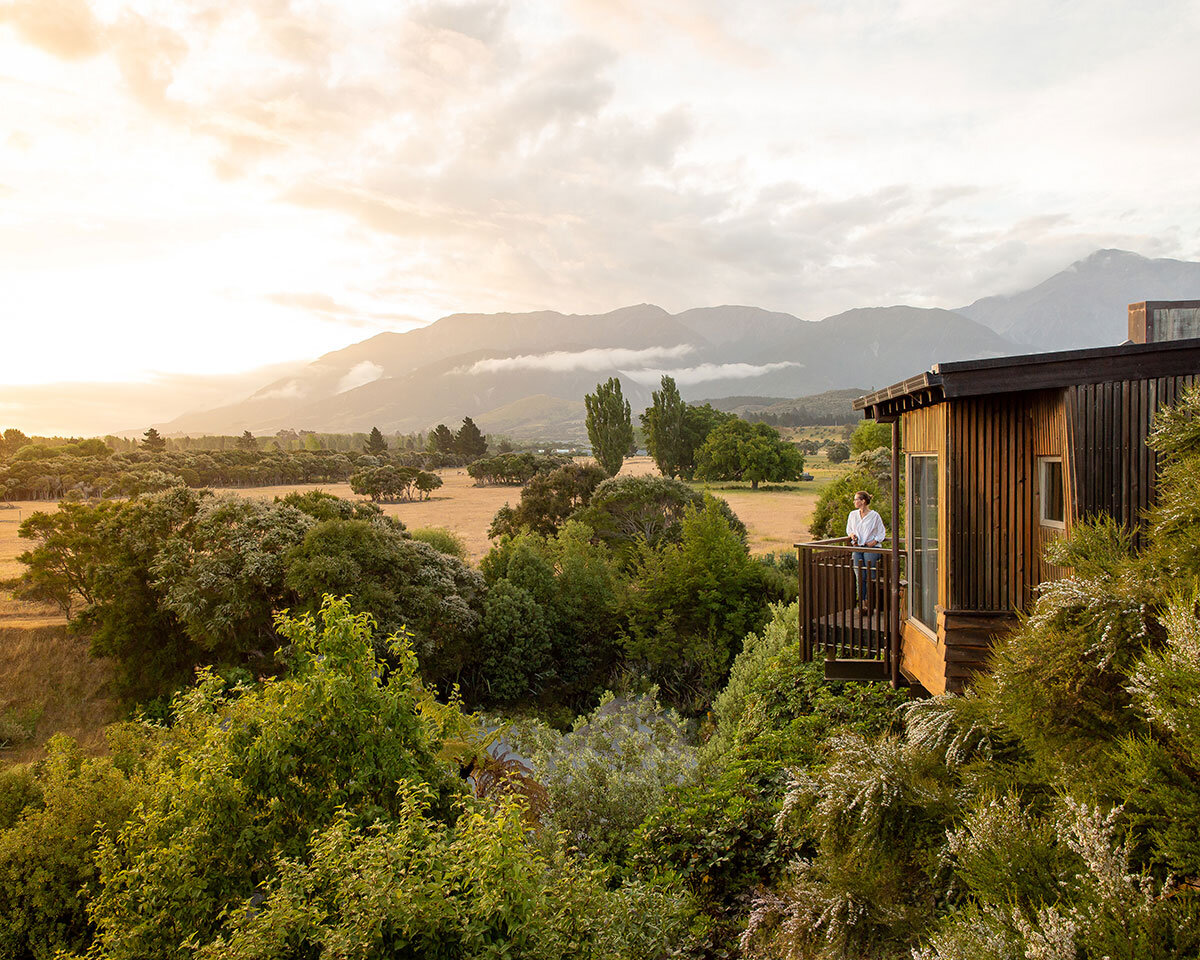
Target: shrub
(624,510)
(245,779)
(689,604)
(837,500)
(48,873)
(605,775)
(442,540)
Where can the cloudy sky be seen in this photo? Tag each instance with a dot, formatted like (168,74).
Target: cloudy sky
(208,186)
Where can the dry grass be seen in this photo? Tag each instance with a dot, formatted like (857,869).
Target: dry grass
(774,519)
(48,677)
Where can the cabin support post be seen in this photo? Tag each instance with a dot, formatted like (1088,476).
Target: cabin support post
(894,626)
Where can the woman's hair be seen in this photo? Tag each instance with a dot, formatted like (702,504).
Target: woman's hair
(866,497)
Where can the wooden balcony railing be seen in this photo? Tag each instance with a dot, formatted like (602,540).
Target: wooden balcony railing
(849,607)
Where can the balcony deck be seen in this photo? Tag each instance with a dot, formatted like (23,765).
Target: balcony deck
(849,608)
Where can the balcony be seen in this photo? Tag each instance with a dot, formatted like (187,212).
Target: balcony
(850,603)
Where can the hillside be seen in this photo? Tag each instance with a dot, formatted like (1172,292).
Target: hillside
(1086,304)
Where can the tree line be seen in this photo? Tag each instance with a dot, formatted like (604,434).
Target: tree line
(688,441)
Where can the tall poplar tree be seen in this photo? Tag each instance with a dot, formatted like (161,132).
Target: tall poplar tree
(609,425)
(664,426)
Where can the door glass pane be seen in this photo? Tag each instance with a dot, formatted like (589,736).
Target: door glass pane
(923,539)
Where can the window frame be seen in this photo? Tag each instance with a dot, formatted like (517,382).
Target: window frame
(912,613)
(1042,464)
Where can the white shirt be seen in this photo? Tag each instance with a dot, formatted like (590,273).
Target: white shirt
(868,529)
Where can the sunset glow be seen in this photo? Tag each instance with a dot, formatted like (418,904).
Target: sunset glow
(210,187)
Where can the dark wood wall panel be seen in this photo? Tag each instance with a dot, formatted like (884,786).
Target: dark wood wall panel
(996,541)
(1114,472)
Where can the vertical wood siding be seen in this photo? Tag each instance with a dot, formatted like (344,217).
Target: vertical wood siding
(1114,472)
(996,541)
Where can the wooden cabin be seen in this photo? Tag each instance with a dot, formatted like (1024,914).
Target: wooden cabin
(998,457)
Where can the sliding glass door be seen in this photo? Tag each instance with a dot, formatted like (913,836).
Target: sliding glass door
(923,538)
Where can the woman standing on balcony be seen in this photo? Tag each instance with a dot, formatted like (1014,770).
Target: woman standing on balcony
(865,528)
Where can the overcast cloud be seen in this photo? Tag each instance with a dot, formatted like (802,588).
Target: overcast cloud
(687,376)
(563,361)
(210,185)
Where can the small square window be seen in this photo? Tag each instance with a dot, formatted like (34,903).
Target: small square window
(1051,500)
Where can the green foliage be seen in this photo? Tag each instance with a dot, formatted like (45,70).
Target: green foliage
(223,575)
(441,439)
(376,445)
(515,636)
(107,555)
(837,500)
(870,435)
(775,712)
(153,441)
(1176,520)
(442,540)
(688,605)
(48,845)
(549,500)
(604,776)
(625,510)
(245,777)
(514,469)
(88,469)
(247,441)
(838,453)
(18,790)
(664,425)
(391,483)
(738,450)
(551,616)
(402,583)
(469,442)
(414,887)
(325,506)
(1060,682)
(609,425)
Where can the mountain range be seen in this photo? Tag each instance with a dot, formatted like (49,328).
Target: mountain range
(526,374)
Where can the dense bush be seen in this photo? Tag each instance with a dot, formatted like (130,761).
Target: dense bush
(442,540)
(88,471)
(608,772)
(49,836)
(625,510)
(551,617)
(402,583)
(320,814)
(689,604)
(390,483)
(548,500)
(514,469)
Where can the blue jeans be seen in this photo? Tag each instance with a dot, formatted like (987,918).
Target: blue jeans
(865,571)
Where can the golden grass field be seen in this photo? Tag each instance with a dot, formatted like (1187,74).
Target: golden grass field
(47,676)
(774,519)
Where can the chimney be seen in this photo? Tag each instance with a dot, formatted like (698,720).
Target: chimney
(1153,321)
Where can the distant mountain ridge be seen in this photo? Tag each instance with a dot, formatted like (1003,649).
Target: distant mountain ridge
(1086,304)
(526,374)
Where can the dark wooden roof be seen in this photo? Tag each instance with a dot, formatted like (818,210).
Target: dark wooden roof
(1034,371)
